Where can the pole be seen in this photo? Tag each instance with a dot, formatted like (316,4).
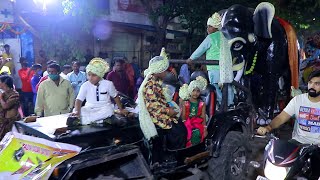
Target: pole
(204,62)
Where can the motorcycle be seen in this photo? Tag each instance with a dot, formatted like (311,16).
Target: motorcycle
(286,160)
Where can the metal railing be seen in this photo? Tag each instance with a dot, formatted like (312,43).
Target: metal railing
(204,62)
(224,104)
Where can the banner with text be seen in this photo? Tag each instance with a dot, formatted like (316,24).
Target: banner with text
(26,157)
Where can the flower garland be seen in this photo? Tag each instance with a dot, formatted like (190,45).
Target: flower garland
(183,92)
(253,64)
(9,26)
(17,32)
(3,27)
(186,90)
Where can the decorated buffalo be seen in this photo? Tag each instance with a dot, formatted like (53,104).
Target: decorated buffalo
(264,49)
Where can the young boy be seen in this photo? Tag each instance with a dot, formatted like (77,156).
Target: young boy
(97,92)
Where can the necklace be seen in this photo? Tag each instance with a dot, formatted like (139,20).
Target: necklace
(253,64)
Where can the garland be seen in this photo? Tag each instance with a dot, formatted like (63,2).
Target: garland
(17,32)
(9,26)
(3,27)
(253,64)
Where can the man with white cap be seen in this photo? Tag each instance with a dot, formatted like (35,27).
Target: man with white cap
(211,46)
(154,111)
(97,93)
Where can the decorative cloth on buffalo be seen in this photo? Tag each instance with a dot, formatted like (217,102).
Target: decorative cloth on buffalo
(186,90)
(225,63)
(157,64)
(98,66)
(214,21)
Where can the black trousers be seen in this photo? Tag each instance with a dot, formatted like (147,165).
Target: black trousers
(27,103)
(174,138)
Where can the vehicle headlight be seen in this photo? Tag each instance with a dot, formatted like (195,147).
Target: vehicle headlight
(273,172)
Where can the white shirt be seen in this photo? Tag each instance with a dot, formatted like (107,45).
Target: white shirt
(45,74)
(98,105)
(307,125)
(89,92)
(64,76)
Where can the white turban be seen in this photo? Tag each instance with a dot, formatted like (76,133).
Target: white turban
(214,21)
(158,64)
(97,66)
(186,90)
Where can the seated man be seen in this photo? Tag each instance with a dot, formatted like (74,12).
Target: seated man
(154,109)
(97,93)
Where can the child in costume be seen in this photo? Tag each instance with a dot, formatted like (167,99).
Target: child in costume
(194,110)
(168,96)
(98,93)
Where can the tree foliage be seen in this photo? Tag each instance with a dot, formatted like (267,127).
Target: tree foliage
(161,13)
(195,14)
(61,44)
(60,37)
(85,10)
(192,13)
(302,14)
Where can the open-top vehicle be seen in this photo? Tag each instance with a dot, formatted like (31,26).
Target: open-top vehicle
(120,150)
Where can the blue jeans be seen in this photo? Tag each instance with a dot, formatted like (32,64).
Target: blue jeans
(214,78)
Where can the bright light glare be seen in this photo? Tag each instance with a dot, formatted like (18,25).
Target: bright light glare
(42,3)
(273,172)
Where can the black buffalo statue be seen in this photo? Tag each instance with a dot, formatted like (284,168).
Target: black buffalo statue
(266,48)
